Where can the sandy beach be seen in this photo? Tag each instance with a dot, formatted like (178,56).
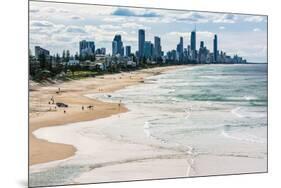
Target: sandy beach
(43,113)
(160,130)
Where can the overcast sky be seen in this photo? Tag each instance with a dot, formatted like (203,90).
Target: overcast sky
(57,26)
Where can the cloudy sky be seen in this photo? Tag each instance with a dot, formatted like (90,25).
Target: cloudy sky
(57,26)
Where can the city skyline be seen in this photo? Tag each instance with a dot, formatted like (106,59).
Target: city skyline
(58,34)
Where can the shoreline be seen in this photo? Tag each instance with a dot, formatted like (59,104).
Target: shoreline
(42,114)
(129,141)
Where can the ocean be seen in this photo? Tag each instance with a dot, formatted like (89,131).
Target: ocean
(213,111)
(217,109)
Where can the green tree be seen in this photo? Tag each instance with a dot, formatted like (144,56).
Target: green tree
(63,55)
(42,61)
(67,56)
(76,56)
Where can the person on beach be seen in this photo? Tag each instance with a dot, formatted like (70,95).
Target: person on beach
(82,107)
(58,92)
(64,111)
(119,105)
(91,107)
(52,99)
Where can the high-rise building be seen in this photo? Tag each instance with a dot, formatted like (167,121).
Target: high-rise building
(148,49)
(180,48)
(86,47)
(41,51)
(193,40)
(128,51)
(117,45)
(141,43)
(157,47)
(202,44)
(101,51)
(114,48)
(181,45)
(215,48)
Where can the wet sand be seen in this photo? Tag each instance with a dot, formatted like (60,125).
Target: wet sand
(42,114)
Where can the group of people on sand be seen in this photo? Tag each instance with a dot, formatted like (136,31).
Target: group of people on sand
(89,107)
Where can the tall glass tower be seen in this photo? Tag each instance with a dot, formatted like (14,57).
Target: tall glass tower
(215,48)
(193,40)
(141,42)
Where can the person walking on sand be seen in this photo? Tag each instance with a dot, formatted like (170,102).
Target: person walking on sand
(82,107)
(119,104)
(52,99)
(64,111)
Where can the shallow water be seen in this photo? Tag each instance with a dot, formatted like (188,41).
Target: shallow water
(215,109)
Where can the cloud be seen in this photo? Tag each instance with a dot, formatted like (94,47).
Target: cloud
(221,27)
(63,11)
(33,10)
(50,10)
(256,29)
(225,18)
(75,29)
(127,12)
(133,25)
(41,24)
(77,18)
(255,19)
(192,17)
(108,26)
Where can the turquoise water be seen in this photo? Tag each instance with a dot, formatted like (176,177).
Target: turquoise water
(209,109)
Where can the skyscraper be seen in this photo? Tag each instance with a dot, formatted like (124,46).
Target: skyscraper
(114,48)
(202,44)
(128,51)
(141,42)
(39,51)
(181,44)
(157,47)
(86,47)
(193,40)
(148,49)
(180,48)
(117,45)
(215,48)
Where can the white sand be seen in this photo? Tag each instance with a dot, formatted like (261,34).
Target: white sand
(113,159)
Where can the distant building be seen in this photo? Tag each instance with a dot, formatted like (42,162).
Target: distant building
(193,40)
(215,48)
(39,51)
(73,62)
(202,44)
(180,49)
(141,43)
(114,48)
(128,51)
(101,51)
(117,46)
(148,49)
(157,47)
(203,53)
(86,48)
